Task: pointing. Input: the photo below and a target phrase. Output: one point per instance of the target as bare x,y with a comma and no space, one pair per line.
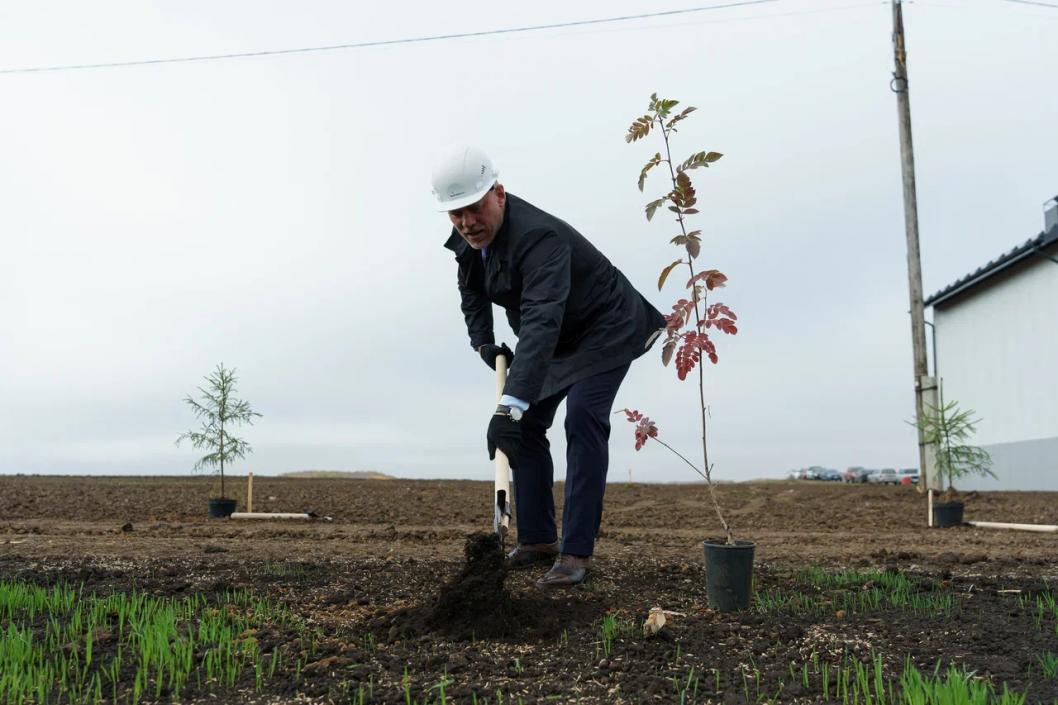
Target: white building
997,353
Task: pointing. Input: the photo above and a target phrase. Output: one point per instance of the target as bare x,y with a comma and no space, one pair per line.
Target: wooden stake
249,492
929,521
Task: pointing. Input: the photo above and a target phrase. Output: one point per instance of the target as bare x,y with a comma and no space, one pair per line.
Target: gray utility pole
914,262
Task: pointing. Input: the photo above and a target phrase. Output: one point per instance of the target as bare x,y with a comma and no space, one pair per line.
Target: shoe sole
540,584
543,559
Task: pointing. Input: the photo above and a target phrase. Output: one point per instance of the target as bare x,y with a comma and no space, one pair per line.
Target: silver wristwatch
513,412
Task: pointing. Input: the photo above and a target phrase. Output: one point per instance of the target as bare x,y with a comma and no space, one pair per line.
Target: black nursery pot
728,574
221,508
947,514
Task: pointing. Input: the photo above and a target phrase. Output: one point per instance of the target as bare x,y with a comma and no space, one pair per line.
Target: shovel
502,520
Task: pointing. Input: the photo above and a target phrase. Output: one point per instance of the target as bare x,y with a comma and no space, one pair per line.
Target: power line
951,5
755,18
1037,3
384,42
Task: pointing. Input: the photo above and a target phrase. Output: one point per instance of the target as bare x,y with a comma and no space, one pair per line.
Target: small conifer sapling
219,412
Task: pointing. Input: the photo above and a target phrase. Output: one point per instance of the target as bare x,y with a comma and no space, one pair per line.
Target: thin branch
680,456
701,371
707,476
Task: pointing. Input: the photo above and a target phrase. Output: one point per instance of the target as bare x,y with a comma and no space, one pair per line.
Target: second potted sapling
948,429
687,340
219,412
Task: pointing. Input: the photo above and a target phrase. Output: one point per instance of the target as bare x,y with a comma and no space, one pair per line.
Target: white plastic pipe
271,515
1040,528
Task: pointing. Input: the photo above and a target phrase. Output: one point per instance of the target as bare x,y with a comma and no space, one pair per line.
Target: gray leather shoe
525,556
567,571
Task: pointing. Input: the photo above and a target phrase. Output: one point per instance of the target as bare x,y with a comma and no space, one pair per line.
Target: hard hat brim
466,200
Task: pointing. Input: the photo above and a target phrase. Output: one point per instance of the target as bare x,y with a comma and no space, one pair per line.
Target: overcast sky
275,214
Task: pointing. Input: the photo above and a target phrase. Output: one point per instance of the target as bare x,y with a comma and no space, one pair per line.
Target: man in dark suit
579,324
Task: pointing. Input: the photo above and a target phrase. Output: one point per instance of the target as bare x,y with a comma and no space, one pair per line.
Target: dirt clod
476,602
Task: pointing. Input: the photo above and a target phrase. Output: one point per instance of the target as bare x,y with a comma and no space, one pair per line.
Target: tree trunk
222,460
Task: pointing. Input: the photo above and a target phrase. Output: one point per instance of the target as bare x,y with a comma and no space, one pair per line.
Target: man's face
479,222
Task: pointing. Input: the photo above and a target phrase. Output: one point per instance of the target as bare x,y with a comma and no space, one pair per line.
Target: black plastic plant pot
947,514
221,508
728,574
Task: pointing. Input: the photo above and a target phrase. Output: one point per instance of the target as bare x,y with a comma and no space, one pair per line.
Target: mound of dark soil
475,603
478,594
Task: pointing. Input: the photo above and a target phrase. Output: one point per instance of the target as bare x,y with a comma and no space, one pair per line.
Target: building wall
997,353
1025,465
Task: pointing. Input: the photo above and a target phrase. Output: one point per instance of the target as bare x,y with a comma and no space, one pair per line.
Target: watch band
512,412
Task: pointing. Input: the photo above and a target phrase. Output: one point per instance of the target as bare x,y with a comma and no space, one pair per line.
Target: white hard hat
463,176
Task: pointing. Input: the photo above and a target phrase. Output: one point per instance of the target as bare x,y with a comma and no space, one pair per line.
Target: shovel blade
502,519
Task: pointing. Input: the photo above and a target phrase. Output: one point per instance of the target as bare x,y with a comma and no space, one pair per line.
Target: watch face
516,413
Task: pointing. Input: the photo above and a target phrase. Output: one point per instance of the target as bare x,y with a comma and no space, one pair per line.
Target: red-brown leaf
667,351
713,278
645,428
665,273
653,206
681,313
693,245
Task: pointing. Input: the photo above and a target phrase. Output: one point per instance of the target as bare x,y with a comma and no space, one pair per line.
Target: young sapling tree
687,328
218,411
949,429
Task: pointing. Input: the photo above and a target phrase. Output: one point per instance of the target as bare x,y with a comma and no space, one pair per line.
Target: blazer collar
456,243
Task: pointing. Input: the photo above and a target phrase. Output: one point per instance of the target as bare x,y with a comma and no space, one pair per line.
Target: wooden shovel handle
503,482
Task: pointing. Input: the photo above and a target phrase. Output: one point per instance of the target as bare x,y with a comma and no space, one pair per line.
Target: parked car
908,476
829,475
885,476
855,475
817,472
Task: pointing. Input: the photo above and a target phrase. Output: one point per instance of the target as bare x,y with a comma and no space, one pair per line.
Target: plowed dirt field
848,580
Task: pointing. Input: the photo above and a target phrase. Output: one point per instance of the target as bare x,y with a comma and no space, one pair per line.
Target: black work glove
489,352
506,434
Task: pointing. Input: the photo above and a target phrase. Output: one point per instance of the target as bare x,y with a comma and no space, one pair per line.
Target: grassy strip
849,682
853,591
1048,664
853,683
1043,605
611,628
61,644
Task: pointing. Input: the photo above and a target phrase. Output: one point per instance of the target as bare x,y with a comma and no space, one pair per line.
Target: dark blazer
574,313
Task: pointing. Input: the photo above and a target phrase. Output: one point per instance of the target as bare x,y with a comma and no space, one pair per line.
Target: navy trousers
589,404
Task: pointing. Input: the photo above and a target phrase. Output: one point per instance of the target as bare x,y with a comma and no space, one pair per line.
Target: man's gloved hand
489,352
506,434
